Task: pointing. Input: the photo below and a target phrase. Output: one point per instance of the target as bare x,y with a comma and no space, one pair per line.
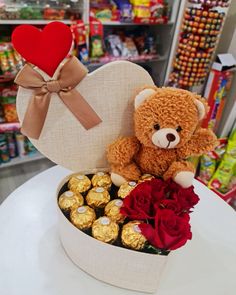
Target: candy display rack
198,31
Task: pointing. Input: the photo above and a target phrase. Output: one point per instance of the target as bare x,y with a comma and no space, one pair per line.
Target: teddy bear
166,132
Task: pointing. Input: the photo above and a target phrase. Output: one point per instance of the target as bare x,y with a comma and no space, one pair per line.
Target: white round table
32,260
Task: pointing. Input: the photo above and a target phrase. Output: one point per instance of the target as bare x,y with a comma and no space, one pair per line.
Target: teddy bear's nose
170,137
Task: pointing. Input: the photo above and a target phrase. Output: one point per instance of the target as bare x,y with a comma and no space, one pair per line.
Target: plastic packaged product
114,45
9,107
4,152
20,141
125,9
53,13
129,48
222,178
11,144
207,168
96,37
29,12
79,34
9,11
4,64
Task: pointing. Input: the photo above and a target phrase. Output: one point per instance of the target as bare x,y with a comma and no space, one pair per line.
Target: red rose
171,231
173,205
171,187
158,187
139,203
186,197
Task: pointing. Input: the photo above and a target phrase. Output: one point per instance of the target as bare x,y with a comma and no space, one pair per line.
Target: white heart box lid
110,91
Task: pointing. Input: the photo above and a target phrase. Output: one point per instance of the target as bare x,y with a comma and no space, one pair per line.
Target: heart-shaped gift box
109,91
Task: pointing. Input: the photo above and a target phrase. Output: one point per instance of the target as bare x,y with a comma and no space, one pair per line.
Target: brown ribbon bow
69,77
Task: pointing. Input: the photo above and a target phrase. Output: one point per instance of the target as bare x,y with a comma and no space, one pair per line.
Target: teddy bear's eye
157,126
178,129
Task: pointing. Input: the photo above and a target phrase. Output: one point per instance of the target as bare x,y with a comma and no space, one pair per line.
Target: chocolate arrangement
92,203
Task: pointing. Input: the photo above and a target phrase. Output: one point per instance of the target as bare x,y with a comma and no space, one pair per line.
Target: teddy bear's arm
122,151
203,141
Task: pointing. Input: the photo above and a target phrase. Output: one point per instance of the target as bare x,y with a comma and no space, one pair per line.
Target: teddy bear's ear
142,96
201,109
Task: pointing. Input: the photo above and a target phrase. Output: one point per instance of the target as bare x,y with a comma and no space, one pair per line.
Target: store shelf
117,23
137,61
22,160
9,126
6,78
31,22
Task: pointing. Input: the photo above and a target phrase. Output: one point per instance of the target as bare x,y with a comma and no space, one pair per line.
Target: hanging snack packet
96,37
79,35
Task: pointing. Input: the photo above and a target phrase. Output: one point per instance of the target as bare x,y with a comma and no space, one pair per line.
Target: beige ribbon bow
69,77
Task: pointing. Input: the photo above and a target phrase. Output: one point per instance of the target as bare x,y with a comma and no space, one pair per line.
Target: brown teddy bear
167,131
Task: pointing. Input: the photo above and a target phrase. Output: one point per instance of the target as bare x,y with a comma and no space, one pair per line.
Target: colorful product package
4,64
216,93
227,168
141,11
130,49
79,33
114,45
125,9
4,152
9,108
20,141
10,61
207,168
11,144
96,37
209,162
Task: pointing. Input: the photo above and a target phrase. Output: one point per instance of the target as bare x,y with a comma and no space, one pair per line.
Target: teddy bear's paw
184,178
117,179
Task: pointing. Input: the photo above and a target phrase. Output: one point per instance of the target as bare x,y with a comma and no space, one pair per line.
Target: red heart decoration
43,48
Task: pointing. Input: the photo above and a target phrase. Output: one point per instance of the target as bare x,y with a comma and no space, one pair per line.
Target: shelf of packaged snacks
21,160
138,61
31,22
9,126
117,23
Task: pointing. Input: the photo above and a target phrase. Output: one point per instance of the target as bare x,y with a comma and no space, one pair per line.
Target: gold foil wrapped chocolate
69,199
102,179
126,188
112,210
145,177
131,236
98,197
105,230
82,217
79,183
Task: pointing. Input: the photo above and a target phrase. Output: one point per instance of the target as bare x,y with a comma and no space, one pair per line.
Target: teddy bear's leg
182,172
121,174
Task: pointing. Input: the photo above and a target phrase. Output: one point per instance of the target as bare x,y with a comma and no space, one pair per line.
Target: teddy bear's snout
166,138
170,137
